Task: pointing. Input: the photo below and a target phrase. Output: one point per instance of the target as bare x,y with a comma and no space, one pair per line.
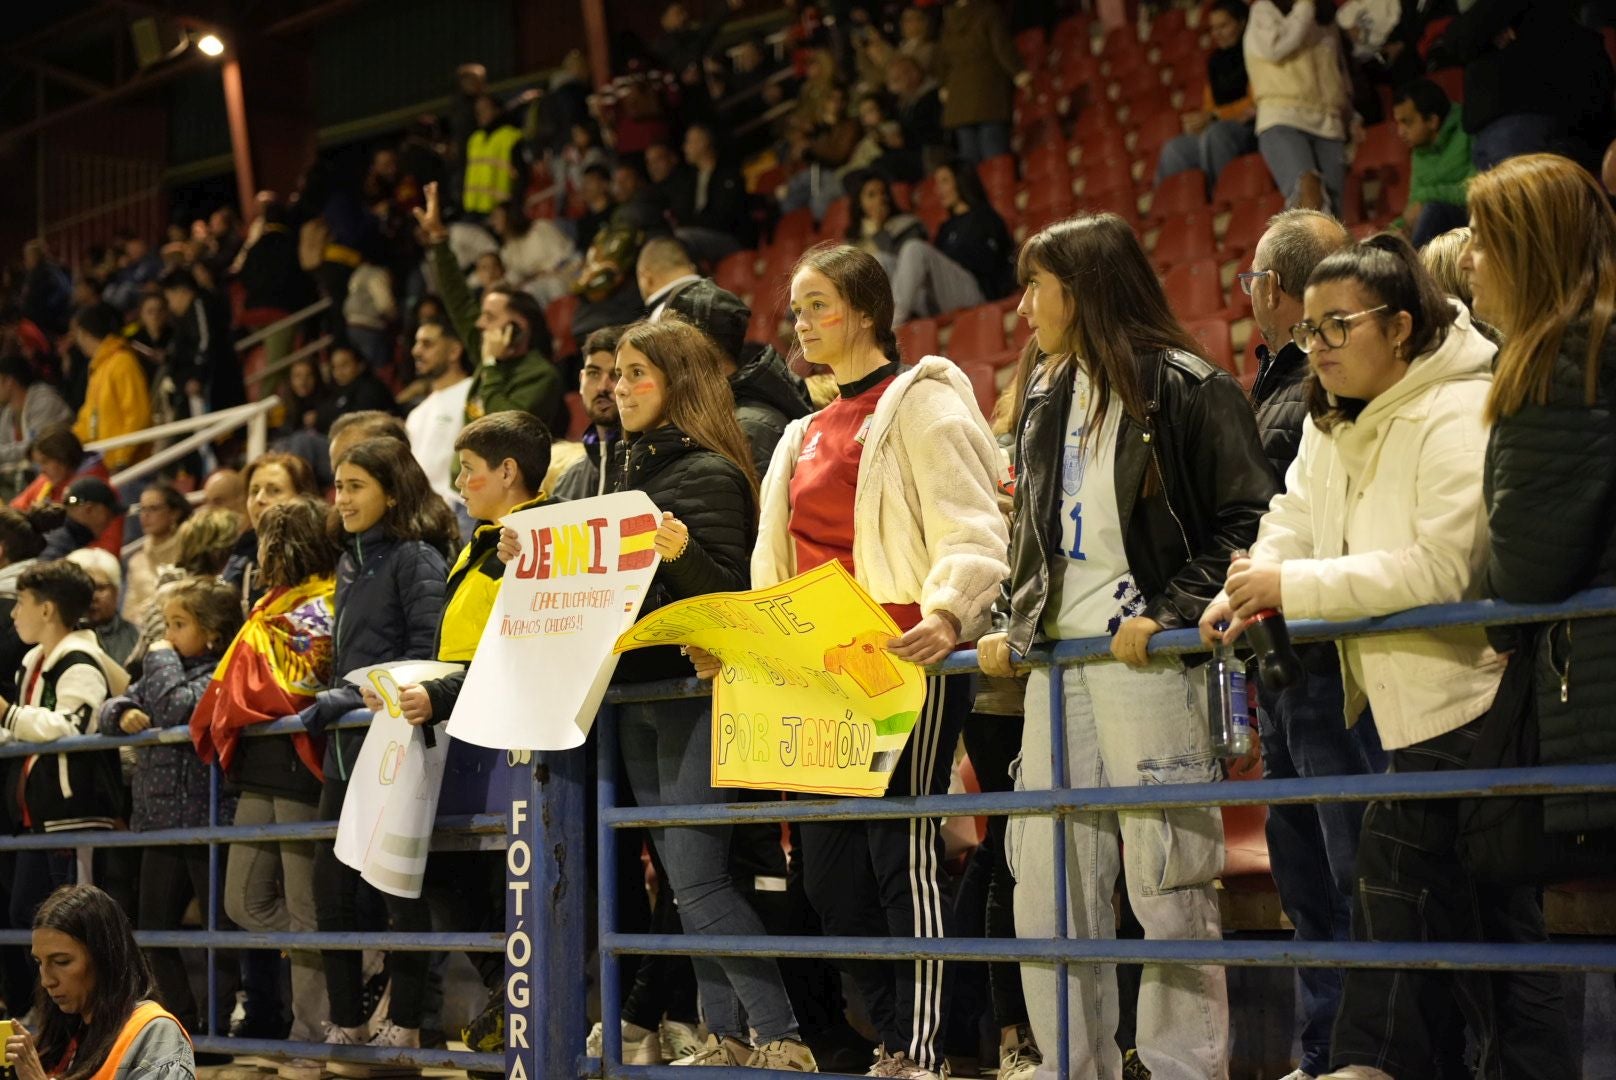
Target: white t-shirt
1092,590
433,426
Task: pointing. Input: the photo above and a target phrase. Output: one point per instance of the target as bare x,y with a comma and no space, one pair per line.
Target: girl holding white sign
396,536
683,447
897,479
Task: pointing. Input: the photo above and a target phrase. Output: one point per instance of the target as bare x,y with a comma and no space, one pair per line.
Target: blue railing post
546,869
210,917
611,1003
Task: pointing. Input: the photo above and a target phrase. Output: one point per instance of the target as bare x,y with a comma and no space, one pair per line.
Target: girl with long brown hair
1139,472
682,446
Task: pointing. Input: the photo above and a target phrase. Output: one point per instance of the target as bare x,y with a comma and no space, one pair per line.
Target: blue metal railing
1061,801
532,806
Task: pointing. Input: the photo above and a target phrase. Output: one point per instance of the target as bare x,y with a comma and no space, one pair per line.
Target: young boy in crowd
1439,166
503,460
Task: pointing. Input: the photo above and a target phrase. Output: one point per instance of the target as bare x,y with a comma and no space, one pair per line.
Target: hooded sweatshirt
929,528
1385,513
767,398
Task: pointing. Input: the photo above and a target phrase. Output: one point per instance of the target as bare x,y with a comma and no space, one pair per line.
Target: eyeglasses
1248,280
1332,330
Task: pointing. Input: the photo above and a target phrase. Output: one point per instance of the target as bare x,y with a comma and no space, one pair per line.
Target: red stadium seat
1381,148
1451,80
1185,238
984,380
1180,193
764,327
1136,83
917,338
1156,131
794,231
978,333
737,273
559,316
903,196
837,216
1195,290
1047,162
1107,174
998,170
1248,220
1246,177
1168,24
1121,202
1216,343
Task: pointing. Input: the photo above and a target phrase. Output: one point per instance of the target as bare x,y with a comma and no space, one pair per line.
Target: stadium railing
533,806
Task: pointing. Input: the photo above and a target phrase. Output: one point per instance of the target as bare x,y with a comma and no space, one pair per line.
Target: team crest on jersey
864,430
810,449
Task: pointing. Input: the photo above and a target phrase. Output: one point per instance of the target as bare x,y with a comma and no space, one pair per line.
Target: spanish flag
274,667
635,537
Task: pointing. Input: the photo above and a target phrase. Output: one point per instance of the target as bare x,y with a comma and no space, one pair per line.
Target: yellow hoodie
116,402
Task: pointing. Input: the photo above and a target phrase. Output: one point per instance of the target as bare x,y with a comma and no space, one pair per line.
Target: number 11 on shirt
1076,515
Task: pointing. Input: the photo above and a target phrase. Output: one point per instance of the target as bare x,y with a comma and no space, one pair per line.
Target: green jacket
1440,171
529,383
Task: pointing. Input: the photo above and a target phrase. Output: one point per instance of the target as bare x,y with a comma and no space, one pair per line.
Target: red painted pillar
235,105
600,57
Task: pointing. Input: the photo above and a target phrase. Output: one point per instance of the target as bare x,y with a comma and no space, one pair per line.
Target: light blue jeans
1292,152
1124,728
667,749
979,142
1210,151
925,282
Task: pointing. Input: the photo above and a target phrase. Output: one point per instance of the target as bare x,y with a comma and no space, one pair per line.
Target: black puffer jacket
1209,487
389,601
767,398
1281,400
1551,503
712,497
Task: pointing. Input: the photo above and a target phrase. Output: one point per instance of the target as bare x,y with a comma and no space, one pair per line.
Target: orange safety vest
144,1013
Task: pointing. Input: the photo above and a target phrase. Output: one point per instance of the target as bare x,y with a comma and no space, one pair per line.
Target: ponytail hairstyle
1548,234
864,286
698,401
417,512
1390,272
122,979
1117,308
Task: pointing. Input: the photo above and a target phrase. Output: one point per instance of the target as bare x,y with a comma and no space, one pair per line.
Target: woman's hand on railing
1218,622
930,640
1131,644
994,657
1253,585
707,665
510,545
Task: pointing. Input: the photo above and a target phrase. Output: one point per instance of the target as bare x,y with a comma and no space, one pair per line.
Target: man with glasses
1311,848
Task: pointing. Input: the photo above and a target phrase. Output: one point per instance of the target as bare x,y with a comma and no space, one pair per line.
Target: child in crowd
897,479
64,679
396,535
278,661
1439,162
171,786
1139,472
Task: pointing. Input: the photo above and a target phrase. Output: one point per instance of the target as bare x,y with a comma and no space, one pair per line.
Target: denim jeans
667,750
1210,151
1435,219
925,282
815,187
1530,133
1412,886
1312,849
1291,153
978,142
1125,727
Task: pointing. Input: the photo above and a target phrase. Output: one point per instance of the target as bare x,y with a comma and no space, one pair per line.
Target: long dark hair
698,400
855,215
1118,308
122,979
1390,271
295,544
417,512
968,183
863,283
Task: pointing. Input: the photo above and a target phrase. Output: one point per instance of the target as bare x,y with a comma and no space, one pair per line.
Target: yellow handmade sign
809,699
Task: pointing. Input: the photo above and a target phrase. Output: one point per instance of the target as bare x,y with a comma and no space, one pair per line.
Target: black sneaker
260,1027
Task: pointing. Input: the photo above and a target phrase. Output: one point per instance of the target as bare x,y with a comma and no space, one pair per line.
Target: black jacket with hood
1192,484
767,398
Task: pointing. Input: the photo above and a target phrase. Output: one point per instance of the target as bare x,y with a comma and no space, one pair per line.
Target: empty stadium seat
1155,131
794,231
984,380
1195,290
1107,174
1381,148
1185,238
737,273
837,216
1248,220
917,338
577,416
1122,202
978,333
1216,343
558,316
1180,193
1246,177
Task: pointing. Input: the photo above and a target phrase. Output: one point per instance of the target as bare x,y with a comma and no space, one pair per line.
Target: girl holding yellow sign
896,479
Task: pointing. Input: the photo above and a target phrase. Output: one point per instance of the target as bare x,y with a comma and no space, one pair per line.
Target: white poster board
545,657
385,830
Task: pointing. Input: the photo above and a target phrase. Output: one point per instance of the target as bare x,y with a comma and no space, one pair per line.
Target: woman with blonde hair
1441,256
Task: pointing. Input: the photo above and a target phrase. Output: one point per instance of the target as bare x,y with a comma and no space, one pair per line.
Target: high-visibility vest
488,168
144,1013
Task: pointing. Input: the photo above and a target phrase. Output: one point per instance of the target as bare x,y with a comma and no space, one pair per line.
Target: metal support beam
139,84
57,74
600,57
235,107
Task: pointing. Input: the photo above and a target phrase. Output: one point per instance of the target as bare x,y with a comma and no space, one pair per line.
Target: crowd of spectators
484,278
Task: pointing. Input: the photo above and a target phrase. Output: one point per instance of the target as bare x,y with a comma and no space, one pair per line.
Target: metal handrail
265,333
203,430
323,342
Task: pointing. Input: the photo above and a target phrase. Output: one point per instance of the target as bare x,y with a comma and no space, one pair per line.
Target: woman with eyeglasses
1383,511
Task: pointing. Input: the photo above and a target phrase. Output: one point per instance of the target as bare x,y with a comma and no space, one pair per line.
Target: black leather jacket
1211,486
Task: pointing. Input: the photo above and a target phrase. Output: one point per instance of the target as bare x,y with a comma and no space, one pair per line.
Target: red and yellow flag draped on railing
273,669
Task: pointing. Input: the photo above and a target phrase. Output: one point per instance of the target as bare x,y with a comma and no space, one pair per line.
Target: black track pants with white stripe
880,879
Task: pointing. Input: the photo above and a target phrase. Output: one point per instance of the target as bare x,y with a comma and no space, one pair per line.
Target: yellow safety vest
488,168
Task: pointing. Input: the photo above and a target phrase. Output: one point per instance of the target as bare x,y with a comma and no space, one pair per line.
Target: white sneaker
901,1067
1358,1072
640,1046
389,1034
1297,1075
345,1036
679,1040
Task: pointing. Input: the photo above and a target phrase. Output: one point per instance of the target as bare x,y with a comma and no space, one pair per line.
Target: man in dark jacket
92,505
202,357
587,477
767,395
709,213
1309,847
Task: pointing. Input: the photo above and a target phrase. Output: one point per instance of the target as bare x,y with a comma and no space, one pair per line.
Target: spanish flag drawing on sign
636,536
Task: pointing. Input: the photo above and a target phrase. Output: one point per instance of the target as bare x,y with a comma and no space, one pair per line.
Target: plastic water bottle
1228,710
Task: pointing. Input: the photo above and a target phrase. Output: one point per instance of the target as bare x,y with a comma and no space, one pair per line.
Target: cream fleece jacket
929,530
1386,513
